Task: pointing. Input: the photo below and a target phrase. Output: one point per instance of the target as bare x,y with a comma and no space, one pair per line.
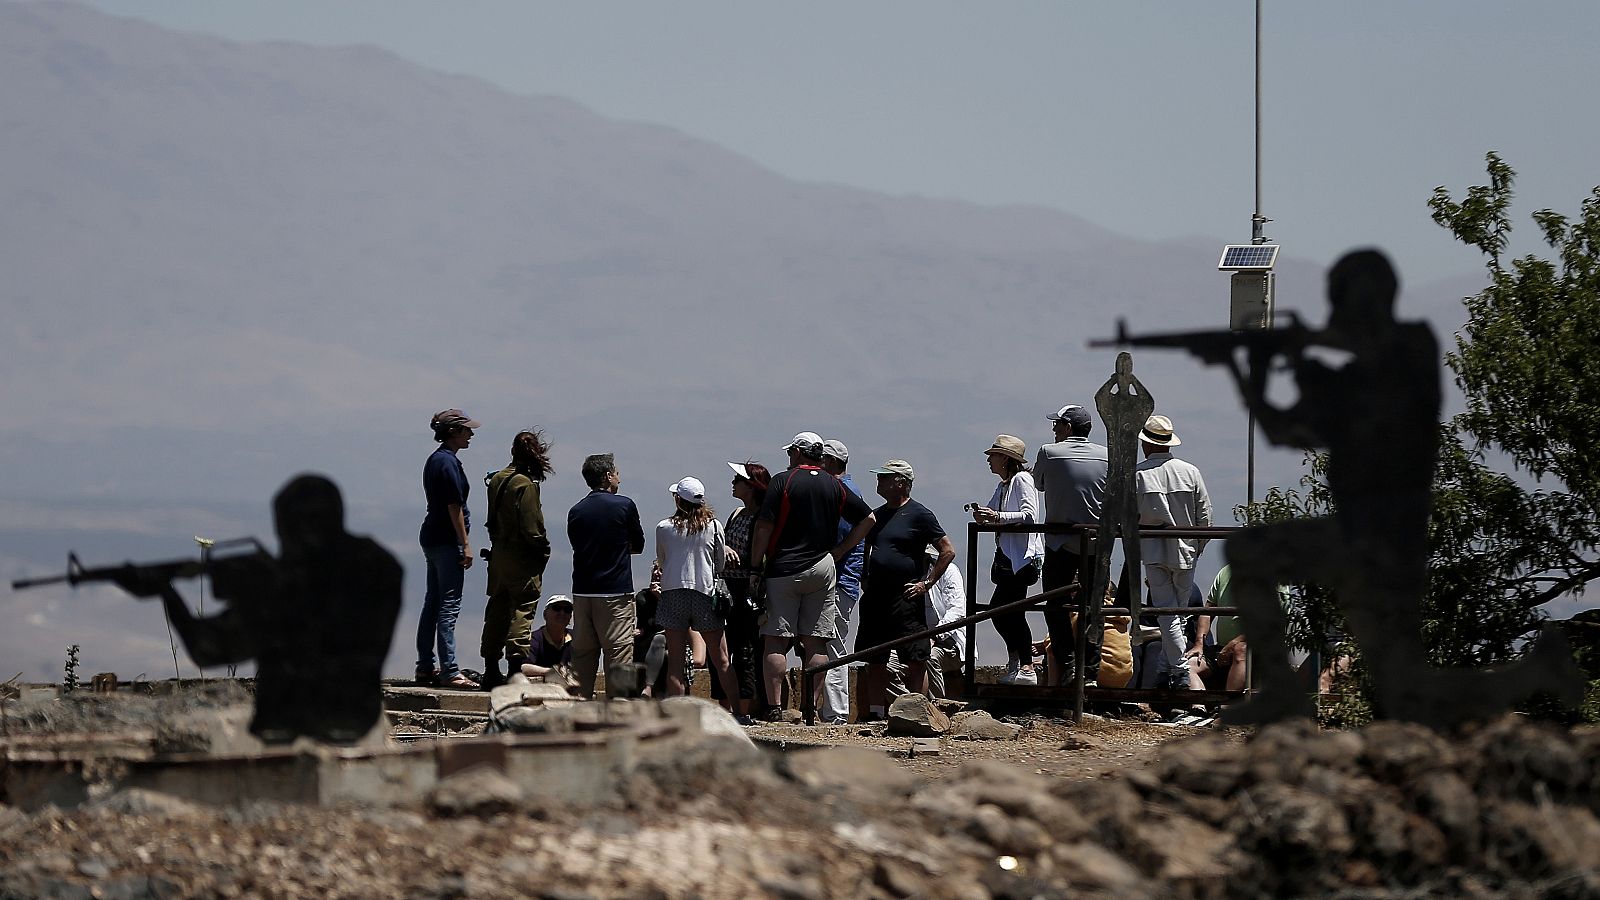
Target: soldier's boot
492,676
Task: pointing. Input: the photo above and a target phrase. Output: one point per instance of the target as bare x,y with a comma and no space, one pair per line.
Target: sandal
427,679
461,683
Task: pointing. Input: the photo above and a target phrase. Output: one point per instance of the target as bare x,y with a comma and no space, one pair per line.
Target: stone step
417,699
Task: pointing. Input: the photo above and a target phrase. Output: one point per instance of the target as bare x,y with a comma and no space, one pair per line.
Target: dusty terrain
1099,747
1125,809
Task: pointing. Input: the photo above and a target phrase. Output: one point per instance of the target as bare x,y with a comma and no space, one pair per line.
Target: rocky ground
1104,809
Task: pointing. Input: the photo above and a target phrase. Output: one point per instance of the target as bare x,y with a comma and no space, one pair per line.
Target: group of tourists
786,572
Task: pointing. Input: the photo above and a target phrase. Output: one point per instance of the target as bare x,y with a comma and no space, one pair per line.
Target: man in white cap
1171,494
1071,476
835,708
796,544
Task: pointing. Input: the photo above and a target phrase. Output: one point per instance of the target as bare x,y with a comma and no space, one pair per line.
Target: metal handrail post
1081,638
970,669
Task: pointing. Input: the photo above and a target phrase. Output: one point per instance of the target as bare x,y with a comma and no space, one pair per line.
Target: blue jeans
440,607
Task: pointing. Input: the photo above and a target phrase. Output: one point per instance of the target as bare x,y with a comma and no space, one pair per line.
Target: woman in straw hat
1017,556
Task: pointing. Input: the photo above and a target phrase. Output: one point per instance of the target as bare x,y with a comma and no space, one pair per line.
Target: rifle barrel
22,584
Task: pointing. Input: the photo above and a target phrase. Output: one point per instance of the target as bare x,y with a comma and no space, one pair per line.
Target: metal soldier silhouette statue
1375,410
318,619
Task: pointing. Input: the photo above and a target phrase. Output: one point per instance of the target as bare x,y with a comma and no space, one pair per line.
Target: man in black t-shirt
796,543
895,594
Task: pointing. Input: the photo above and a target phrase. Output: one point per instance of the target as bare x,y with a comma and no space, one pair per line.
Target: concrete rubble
978,725
1387,811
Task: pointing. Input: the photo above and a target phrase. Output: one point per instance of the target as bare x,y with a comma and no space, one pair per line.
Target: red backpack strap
783,516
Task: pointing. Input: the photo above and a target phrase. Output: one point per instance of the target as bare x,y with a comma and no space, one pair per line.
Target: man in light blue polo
836,691
1071,475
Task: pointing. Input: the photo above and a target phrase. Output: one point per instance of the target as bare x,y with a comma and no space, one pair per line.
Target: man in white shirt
1171,494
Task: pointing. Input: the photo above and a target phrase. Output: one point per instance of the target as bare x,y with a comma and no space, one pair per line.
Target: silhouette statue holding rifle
317,619
1376,413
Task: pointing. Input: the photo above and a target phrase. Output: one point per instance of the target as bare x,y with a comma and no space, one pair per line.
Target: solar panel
1248,257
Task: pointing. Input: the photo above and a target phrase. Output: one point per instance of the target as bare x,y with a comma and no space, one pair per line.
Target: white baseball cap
836,449
805,442
690,490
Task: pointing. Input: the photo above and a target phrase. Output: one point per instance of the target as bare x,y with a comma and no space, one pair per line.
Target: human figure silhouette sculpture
1124,406
317,619
1377,416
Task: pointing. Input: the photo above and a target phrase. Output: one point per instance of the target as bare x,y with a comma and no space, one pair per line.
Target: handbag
721,598
1001,572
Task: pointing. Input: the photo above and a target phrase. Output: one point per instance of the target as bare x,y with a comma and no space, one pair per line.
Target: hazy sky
1135,115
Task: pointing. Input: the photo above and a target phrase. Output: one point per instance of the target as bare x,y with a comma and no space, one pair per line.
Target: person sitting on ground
649,641
1223,655
1115,654
551,643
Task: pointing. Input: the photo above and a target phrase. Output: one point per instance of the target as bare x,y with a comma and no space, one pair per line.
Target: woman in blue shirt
444,544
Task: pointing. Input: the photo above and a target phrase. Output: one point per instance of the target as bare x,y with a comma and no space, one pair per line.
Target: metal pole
971,666
1256,220
1250,464
1257,237
1086,620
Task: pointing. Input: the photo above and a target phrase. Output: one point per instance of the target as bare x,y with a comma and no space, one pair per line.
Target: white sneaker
1025,676
1010,677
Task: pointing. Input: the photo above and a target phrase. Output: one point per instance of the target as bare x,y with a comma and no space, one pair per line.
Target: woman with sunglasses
750,480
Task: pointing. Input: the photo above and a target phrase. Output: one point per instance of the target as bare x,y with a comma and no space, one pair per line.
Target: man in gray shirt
1071,475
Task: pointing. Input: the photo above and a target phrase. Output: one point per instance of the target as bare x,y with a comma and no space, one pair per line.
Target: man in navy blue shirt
444,543
605,533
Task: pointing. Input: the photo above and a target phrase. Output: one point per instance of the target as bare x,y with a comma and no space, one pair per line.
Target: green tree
1526,362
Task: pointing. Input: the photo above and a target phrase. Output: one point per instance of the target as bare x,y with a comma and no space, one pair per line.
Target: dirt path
1096,748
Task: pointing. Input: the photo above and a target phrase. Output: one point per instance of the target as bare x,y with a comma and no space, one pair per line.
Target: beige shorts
804,604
